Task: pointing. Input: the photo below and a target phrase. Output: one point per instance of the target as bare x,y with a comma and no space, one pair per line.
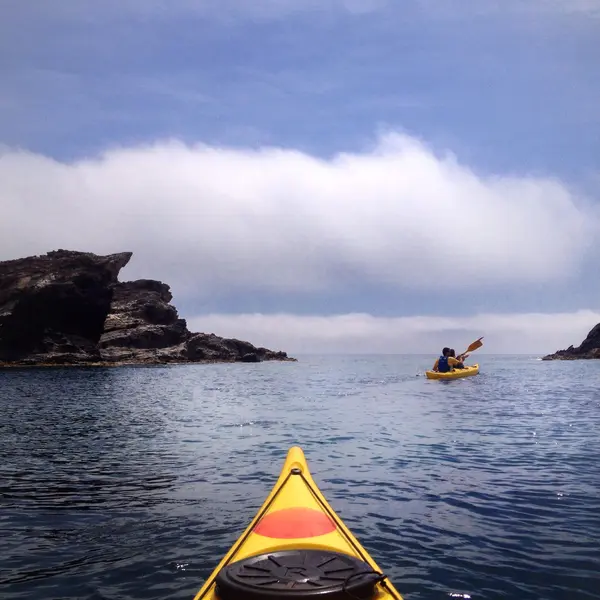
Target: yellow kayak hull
456,374
295,516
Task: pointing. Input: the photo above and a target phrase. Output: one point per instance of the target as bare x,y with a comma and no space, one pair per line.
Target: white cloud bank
209,219
365,334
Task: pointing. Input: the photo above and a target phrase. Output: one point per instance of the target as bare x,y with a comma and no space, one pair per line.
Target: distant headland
69,308
589,348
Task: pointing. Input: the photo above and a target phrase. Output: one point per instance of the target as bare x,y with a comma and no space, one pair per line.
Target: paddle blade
476,344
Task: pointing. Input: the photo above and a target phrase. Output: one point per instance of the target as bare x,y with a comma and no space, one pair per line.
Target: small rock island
589,348
69,308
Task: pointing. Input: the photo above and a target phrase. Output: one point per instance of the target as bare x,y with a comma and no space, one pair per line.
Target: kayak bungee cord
381,577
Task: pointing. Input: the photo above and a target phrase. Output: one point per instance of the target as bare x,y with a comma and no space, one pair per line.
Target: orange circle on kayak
294,523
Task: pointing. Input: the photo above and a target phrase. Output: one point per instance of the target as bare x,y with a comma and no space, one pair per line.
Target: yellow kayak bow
297,547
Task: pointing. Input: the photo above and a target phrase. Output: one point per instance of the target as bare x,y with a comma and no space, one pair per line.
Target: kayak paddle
476,344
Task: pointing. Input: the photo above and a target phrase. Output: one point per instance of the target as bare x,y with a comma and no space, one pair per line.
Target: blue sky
506,89
454,101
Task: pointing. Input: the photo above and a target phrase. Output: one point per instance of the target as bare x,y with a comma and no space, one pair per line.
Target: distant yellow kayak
456,374
297,547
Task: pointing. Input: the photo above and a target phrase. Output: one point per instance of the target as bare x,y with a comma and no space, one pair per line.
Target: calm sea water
132,483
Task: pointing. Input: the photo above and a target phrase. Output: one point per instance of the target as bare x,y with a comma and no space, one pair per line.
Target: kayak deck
456,374
296,523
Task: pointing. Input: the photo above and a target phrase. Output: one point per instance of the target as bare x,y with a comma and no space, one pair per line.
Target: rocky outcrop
69,308
54,306
589,348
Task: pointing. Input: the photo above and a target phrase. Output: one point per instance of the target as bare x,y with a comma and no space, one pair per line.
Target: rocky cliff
589,348
69,308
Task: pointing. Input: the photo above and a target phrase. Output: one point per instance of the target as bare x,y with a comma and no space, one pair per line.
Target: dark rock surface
69,308
589,348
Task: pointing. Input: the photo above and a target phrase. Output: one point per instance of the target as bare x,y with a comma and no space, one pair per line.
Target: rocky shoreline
67,308
588,349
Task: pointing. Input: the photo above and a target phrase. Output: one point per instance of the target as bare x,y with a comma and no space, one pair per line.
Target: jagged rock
208,346
251,357
588,349
141,318
68,307
55,305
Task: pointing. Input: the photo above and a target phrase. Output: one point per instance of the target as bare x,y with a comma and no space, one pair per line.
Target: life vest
443,366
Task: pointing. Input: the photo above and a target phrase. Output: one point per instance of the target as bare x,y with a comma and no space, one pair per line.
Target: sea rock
68,307
54,306
208,346
142,325
589,348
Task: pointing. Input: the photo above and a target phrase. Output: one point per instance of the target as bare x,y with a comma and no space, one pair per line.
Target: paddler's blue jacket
443,366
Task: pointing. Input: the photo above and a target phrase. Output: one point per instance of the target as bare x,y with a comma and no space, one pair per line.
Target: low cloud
531,333
217,220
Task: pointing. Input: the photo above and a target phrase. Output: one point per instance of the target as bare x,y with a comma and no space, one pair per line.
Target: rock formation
589,348
69,308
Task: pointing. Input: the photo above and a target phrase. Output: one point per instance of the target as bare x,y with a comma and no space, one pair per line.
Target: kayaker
445,362
460,359
463,357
